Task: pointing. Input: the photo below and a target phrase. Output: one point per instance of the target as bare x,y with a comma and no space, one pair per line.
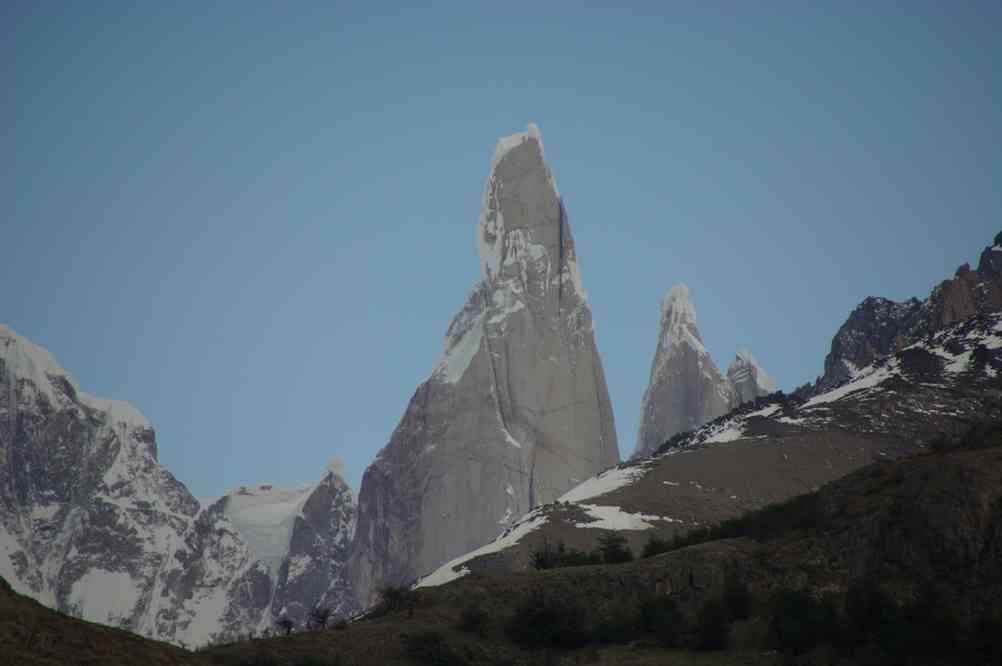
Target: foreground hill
899,562
33,635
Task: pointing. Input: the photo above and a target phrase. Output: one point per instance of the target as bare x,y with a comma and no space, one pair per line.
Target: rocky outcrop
748,378
686,389
93,525
879,326
516,411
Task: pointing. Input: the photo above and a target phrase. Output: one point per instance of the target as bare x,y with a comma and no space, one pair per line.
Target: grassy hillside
33,635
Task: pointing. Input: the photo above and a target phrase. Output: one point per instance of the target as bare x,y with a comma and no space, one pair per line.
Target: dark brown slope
33,635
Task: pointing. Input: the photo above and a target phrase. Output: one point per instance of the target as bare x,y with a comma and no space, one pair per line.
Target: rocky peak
879,326
686,388
748,378
516,410
678,318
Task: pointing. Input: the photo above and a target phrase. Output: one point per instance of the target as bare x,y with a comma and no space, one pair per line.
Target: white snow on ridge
448,571
868,378
26,360
605,482
462,343
118,411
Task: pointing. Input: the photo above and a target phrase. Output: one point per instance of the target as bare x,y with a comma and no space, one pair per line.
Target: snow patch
104,596
614,518
868,378
452,570
461,345
605,482
264,517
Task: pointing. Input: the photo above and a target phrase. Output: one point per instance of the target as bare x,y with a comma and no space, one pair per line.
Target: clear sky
255,220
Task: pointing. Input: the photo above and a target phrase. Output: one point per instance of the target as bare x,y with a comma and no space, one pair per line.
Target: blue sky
255,221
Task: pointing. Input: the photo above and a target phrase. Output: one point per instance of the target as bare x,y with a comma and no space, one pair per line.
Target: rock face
516,411
748,378
686,388
879,326
93,525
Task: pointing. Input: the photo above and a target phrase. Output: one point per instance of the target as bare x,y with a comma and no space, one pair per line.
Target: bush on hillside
430,648
655,546
549,557
547,620
737,599
712,628
473,620
394,598
800,622
661,616
613,549
616,622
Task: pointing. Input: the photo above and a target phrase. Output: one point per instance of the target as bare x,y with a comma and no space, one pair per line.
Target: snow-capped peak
508,143
26,360
678,319
677,308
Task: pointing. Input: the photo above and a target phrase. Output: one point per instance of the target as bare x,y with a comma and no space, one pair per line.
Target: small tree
612,547
395,598
285,624
320,615
655,546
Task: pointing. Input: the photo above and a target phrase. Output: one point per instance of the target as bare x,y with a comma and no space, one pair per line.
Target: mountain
91,524
686,389
748,378
879,326
927,394
516,411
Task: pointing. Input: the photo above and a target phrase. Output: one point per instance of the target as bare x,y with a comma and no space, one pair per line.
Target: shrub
613,549
661,616
544,620
393,598
712,628
473,620
285,624
616,622
431,648
655,546
320,615
986,639
800,622
548,557
311,660
736,599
